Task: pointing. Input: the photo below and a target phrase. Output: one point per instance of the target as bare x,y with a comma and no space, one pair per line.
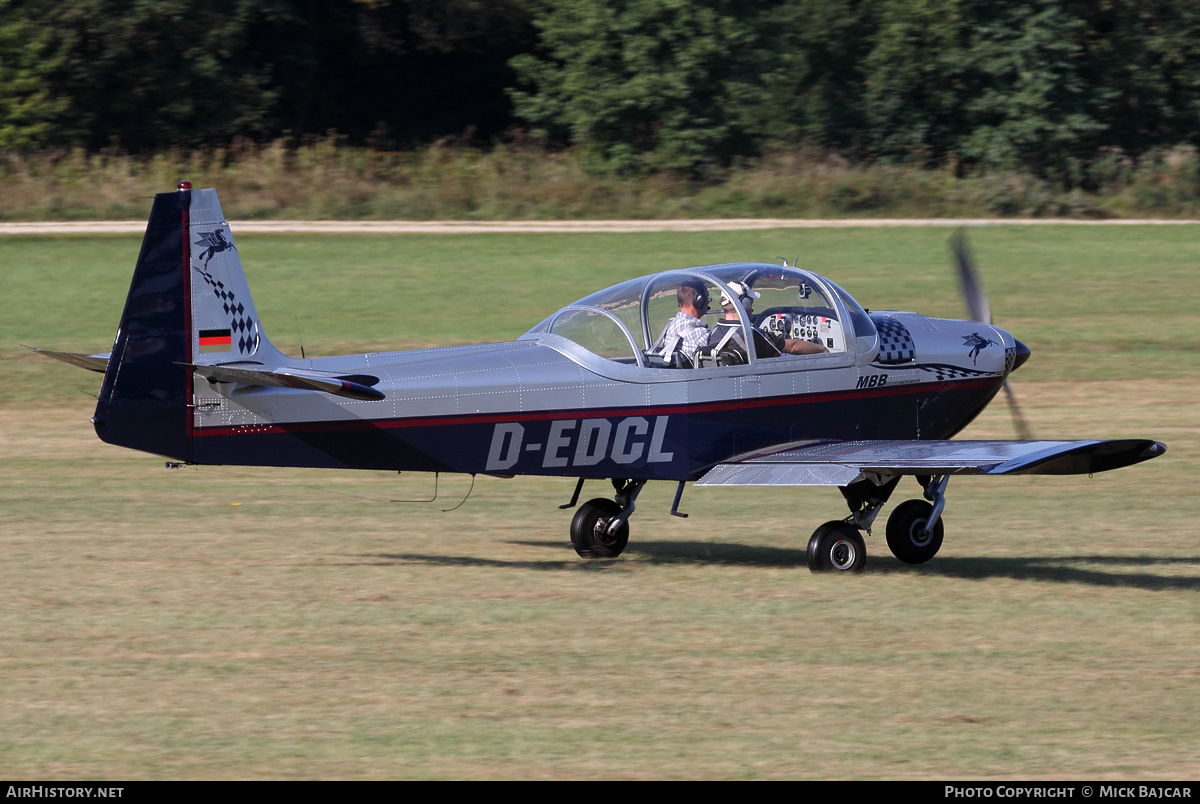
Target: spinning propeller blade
976,300
1023,430
969,283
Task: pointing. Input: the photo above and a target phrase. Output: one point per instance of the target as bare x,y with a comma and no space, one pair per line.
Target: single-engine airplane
593,392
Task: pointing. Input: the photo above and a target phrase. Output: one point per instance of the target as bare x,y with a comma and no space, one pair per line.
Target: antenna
300,337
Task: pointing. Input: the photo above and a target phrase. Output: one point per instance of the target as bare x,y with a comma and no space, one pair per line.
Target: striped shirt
685,332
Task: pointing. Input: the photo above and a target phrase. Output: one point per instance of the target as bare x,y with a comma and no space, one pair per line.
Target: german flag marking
216,340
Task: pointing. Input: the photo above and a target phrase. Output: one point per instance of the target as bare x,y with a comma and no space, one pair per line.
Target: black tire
814,541
837,547
906,536
589,530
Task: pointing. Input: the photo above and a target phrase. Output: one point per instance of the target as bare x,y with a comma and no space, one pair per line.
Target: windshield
863,326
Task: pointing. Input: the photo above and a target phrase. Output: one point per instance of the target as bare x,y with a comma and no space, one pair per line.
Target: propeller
970,285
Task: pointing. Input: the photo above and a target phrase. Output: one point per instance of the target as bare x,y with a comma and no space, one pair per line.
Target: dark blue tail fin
147,387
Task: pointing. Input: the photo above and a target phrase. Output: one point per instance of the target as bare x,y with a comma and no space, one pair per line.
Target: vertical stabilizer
188,304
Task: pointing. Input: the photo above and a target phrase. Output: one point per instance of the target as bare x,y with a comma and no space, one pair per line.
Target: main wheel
589,530
906,536
814,542
836,546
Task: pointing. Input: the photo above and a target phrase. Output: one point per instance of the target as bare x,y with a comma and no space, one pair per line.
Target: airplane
592,392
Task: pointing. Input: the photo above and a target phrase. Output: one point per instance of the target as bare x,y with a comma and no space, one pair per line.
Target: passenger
727,338
685,333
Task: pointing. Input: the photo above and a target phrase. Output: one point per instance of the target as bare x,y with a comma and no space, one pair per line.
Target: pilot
685,333
727,338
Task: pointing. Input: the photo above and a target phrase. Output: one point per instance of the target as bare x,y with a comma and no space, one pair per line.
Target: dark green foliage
1055,90
1145,55
643,84
1038,85
400,71
147,74
812,57
992,83
29,106
163,73
646,84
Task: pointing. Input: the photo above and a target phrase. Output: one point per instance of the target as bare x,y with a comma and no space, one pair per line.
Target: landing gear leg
867,497
915,529
600,528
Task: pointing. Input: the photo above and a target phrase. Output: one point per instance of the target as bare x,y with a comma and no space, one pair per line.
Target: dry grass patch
153,629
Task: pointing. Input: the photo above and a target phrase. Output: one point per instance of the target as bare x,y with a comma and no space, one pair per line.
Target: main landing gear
600,528
914,530
837,546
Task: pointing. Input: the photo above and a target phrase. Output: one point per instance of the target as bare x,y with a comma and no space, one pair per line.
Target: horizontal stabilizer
352,386
97,362
837,463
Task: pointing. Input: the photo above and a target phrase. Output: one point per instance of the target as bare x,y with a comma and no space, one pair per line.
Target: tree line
1042,86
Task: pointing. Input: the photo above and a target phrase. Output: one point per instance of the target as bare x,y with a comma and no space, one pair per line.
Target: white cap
741,290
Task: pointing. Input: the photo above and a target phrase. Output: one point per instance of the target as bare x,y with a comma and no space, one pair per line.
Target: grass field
230,623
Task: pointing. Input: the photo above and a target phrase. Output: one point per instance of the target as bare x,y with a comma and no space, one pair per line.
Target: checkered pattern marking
1010,359
895,343
944,372
240,325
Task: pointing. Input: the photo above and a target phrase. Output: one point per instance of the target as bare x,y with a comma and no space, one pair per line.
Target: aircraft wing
97,362
839,463
353,386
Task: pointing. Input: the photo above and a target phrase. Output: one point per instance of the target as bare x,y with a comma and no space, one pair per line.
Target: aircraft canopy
625,322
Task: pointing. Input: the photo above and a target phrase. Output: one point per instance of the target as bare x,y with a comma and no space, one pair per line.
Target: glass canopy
786,313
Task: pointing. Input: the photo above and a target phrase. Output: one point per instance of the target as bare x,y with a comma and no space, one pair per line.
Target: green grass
1092,302
231,623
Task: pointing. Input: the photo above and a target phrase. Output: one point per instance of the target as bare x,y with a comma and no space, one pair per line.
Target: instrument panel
804,325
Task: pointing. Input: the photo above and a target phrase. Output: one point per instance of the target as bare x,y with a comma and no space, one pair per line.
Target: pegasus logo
215,242
977,343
